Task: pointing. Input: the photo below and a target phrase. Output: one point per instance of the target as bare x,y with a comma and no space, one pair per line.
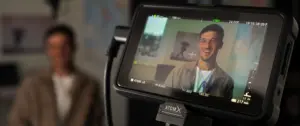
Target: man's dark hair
214,27
64,29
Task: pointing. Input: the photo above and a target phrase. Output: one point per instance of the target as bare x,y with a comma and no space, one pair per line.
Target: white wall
71,13
25,61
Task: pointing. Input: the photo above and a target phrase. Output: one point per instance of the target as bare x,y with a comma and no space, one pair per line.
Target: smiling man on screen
204,75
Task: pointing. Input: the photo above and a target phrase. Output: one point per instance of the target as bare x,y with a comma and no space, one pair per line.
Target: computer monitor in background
225,62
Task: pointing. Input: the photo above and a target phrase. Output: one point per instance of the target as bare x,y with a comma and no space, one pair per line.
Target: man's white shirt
62,88
202,76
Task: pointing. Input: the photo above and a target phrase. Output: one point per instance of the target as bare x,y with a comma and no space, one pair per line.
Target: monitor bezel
265,73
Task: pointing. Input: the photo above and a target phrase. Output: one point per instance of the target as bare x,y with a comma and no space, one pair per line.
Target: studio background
93,21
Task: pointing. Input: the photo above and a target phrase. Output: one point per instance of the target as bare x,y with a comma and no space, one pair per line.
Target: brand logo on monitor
176,109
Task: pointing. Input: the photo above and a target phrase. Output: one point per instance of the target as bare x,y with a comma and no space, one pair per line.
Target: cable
112,53
107,101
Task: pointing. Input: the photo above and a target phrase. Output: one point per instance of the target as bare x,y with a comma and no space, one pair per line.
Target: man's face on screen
209,44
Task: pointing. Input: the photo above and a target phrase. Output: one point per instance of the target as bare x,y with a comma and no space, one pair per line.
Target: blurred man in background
61,95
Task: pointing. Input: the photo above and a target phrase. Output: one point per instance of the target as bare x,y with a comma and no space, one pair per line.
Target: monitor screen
221,59
209,58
